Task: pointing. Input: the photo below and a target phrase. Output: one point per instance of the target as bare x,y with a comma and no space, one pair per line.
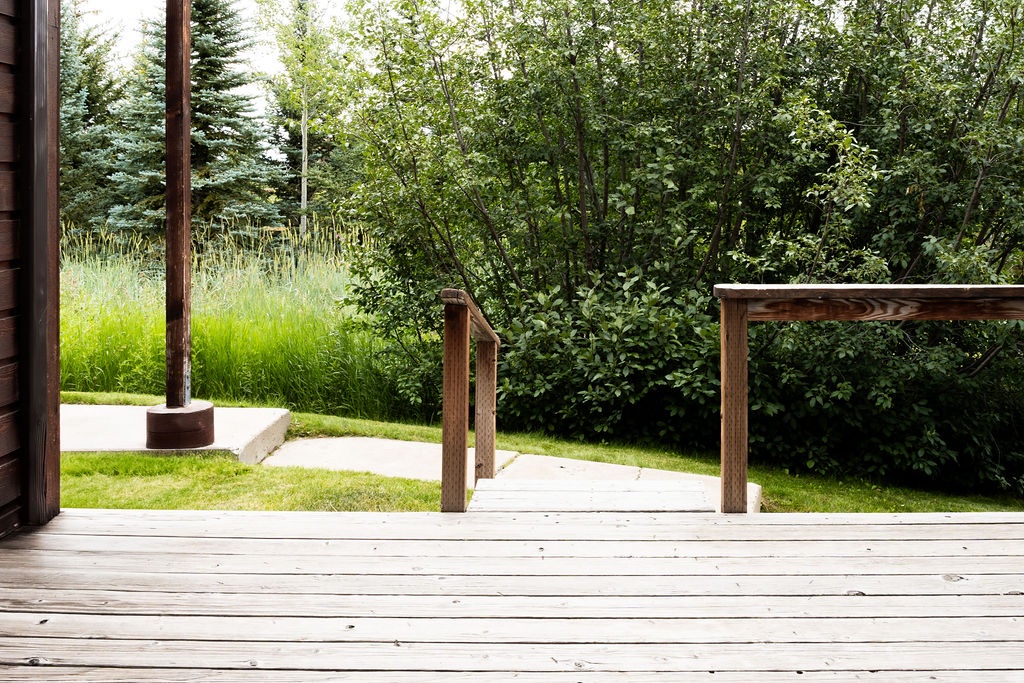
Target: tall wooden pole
179,204
181,422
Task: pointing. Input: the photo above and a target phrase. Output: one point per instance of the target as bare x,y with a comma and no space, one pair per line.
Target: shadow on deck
218,596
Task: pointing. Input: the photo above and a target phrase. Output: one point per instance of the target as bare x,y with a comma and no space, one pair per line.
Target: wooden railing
745,303
462,319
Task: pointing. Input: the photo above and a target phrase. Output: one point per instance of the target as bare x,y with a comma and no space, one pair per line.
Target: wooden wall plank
8,41
8,384
9,8
10,481
8,149
8,289
9,241
10,519
8,338
8,197
8,86
10,436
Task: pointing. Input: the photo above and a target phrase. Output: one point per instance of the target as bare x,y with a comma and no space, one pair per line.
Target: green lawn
123,480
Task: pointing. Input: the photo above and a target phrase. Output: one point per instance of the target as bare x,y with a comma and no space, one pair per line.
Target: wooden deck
224,596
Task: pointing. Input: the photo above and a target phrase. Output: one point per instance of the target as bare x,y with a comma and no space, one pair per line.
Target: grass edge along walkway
209,482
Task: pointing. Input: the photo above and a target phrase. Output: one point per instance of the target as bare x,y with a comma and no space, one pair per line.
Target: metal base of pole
188,427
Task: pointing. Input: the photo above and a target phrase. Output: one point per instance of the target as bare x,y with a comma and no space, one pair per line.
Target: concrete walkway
257,435
248,433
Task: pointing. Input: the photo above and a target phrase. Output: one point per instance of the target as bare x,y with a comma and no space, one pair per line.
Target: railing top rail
479,327
888,291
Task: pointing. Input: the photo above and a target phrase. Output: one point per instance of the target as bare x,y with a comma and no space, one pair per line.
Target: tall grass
267,326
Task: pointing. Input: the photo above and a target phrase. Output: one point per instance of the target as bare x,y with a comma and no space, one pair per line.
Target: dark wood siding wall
12,471
29,231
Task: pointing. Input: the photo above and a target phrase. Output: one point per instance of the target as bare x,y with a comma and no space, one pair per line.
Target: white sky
125,16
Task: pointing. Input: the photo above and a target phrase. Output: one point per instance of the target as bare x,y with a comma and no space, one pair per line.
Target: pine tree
90,87
230,172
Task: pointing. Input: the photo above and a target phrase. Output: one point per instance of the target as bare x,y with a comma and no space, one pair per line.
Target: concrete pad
408,459
249,433
546,467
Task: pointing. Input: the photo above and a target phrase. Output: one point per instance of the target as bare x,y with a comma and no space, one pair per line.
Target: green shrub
624,357
916,403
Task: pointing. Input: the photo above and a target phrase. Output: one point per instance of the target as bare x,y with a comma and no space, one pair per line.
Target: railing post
455,408
734,405
486,407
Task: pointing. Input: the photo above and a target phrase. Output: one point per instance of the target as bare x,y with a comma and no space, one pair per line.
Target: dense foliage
588,170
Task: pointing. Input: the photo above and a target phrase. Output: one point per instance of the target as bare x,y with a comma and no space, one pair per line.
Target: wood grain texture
479,326
207,595
486,408
11,481
455,408
8,97
9,384
179,206
743,303
207,675
9,240
10,433
8,337
885,309
734,406
785,292
8,40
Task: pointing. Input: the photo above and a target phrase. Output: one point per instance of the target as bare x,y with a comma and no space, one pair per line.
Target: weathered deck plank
212,596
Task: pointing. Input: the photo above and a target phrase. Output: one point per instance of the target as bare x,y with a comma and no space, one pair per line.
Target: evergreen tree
90,88
230,172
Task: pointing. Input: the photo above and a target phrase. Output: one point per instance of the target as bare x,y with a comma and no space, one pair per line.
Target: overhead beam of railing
463,320
748,303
